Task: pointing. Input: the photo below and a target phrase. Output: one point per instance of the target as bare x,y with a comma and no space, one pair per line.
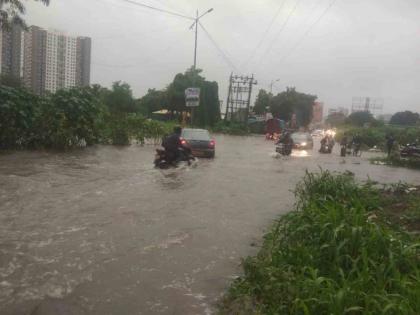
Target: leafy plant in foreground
329,257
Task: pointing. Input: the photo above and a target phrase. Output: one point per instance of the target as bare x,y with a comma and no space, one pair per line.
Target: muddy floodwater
101,231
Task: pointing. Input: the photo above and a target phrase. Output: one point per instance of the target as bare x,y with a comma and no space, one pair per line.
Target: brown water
105,233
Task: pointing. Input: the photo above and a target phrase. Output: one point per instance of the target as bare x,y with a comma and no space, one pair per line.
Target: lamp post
195,24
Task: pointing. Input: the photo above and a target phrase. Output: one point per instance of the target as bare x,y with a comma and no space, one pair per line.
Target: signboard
192,97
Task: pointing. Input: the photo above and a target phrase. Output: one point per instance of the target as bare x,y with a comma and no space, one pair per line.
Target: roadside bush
68,118
18,111
330,256
231,128
376,136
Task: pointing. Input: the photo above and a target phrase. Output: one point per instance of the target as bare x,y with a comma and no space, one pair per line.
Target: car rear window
202,135
299,137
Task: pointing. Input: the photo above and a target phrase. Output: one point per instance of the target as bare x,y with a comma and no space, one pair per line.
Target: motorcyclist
343,144
287,141
173,145
356,144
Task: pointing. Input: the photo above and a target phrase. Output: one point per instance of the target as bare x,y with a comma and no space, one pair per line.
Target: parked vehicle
318,133
161,161
199,141
302,141
410,150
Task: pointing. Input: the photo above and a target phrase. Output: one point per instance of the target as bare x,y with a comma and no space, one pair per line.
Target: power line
159,10
270,25
281,30
308,31
223,54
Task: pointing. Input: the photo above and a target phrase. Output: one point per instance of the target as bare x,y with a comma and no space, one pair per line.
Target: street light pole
195,24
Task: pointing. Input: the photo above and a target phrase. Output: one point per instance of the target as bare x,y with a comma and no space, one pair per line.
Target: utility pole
195,25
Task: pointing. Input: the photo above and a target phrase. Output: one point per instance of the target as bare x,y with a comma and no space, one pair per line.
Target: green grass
331,255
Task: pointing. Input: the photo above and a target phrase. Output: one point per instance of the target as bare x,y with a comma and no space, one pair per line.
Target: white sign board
192,97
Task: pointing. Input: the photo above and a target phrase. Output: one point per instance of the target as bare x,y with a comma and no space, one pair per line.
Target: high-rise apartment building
46,60
11,42
84,48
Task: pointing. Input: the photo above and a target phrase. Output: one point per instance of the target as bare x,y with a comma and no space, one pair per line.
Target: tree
153,101
290,102
336,119
262,102
120,98
406,118
11,12
208,111
361,118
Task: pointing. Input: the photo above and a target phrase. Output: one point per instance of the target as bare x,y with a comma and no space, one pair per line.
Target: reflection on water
301,153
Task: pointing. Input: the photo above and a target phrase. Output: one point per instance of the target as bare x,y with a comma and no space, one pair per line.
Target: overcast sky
339,51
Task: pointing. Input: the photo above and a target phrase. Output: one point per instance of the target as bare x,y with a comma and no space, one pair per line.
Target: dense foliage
406,118
376,136
290,102
361,119
332,255
173,98
73,117
262,102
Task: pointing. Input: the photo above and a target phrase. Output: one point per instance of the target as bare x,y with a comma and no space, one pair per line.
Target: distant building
45,60
11,45
317,112
341,110
83,57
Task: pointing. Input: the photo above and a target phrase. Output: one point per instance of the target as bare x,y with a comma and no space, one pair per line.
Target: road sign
192,97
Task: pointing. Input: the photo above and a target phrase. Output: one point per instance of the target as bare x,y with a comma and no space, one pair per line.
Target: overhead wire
159,10
280,31
300,40
270,25
222,53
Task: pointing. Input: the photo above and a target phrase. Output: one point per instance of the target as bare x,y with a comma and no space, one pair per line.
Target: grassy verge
341,251
398,162
231,128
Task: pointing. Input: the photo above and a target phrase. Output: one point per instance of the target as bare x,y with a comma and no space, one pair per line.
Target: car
302,140
318,133
199,141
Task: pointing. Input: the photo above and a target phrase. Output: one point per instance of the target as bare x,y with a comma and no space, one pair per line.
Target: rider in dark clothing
172,145
389,143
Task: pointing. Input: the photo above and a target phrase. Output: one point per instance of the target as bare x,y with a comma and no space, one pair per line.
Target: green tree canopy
208,112
336,119
290,102
120,98
406,118
262,102
153,101
361,118
12,11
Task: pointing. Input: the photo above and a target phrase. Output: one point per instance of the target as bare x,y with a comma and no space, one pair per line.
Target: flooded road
103,232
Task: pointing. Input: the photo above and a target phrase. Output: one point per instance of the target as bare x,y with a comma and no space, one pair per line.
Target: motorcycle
410,150
161,160
284,149
326,148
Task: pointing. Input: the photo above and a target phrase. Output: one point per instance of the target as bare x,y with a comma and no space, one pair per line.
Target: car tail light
183,141
212,143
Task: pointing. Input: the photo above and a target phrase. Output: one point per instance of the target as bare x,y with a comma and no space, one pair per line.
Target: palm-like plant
11,12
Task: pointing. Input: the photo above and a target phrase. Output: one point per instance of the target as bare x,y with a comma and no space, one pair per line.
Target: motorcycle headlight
303,144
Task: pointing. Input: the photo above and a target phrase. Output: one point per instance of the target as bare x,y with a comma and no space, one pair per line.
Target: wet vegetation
396,161
376,136
345,249
73,117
